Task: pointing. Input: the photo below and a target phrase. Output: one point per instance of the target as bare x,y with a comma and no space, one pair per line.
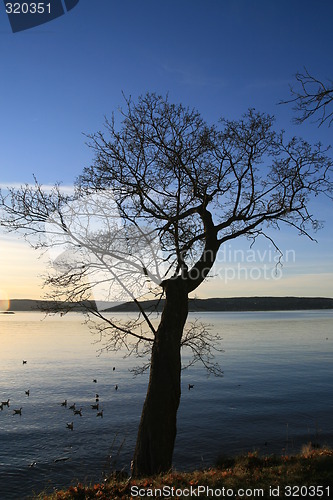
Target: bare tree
312,98
181,189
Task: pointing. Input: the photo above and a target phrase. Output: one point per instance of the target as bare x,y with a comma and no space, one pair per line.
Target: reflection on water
275,395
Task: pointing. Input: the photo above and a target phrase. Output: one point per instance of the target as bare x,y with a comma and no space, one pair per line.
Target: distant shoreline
231,304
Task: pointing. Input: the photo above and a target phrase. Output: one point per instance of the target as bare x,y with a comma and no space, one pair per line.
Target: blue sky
59,80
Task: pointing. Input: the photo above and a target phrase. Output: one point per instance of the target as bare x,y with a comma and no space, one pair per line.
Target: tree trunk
157,429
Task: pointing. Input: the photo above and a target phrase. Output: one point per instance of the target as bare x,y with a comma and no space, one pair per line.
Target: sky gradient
59,80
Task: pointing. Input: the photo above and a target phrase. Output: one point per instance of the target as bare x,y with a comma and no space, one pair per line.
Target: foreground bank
307,475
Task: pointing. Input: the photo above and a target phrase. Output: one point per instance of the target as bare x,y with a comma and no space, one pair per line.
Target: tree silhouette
312,98
164,193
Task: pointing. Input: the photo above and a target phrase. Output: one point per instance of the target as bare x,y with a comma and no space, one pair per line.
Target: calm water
276,394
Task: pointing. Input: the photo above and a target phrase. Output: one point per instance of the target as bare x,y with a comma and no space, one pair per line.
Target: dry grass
248,473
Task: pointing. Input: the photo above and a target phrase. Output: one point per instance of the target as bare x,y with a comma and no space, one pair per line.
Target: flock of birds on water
76,411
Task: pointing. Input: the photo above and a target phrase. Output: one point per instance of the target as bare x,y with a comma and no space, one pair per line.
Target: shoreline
251,476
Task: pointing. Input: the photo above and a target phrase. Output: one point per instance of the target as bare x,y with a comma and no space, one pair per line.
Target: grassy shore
307,475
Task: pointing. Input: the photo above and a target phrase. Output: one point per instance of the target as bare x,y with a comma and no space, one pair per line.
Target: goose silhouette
70,426
5,403
100,414
78,412
27,392
18,412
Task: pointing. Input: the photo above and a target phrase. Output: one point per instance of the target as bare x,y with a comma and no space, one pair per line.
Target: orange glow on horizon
4,301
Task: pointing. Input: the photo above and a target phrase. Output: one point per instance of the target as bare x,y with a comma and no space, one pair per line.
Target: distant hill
43,305
195,305
238,304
